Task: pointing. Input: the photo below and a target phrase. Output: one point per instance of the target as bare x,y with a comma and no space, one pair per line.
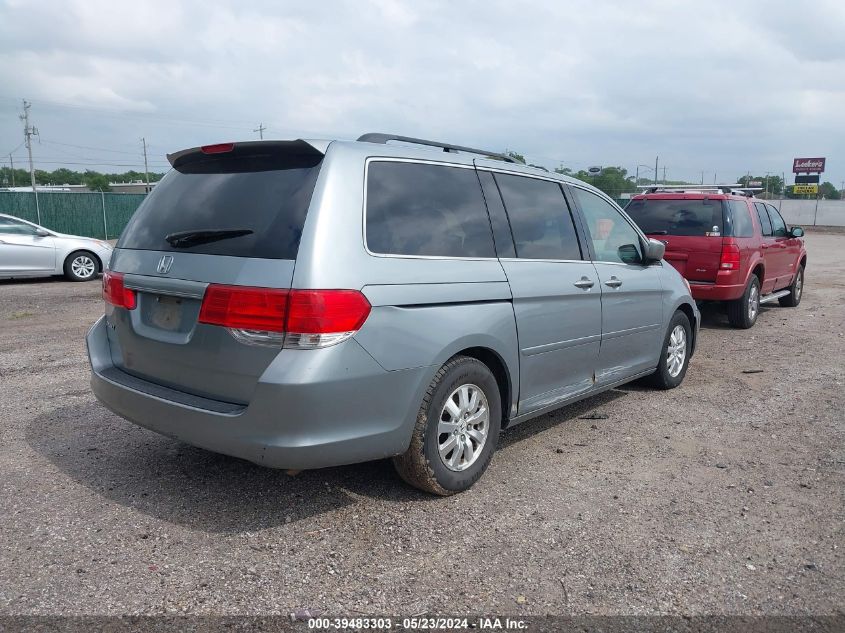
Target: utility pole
664,174
29,131
146,170
260,129
655,169
702,176
12,161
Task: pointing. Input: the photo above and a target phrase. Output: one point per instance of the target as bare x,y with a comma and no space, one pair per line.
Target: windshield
677,217
241,206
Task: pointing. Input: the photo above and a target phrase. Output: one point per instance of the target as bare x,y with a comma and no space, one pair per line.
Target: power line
102,149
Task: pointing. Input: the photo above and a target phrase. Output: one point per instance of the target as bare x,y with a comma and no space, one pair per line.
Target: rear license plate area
166,312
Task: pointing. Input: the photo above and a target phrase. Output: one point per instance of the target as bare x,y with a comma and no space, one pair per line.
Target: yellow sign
805,189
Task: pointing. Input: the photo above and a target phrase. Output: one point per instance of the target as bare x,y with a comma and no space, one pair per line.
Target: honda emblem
164,264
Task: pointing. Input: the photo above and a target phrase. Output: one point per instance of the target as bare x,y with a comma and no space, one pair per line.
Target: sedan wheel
81,266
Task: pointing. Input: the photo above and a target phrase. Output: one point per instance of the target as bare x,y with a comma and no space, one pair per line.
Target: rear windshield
260,199
677,217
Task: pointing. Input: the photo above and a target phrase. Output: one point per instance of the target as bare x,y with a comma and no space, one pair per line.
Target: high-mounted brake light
220,148
303,319
729,259
115,293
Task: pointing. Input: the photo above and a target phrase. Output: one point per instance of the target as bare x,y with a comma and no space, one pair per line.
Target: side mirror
797,231
654,250
629,254
42,233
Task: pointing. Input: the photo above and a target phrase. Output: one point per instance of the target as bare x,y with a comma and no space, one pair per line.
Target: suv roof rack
735,189
377,137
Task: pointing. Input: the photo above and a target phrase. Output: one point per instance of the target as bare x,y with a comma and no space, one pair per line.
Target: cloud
723,87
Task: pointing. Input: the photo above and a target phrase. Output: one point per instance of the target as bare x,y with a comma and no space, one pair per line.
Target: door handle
764,246
584,283
613,282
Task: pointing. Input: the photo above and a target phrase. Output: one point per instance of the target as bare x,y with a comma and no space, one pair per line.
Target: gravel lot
723,496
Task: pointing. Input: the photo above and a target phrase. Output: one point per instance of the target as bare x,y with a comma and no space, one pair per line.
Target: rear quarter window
426,210
677,217
739,220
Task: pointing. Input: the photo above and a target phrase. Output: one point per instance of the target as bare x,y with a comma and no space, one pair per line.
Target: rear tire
81,266
796,290
675,353
743,312
456,430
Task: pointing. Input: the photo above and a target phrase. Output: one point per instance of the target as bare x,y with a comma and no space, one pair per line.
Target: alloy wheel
676,352
463,427
83,266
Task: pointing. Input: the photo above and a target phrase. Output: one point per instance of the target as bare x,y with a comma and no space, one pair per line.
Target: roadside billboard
807,165
802,189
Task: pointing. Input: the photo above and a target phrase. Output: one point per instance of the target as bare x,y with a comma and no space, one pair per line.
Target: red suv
729,246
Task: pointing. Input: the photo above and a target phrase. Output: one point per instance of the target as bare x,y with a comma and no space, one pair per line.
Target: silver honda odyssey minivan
303,304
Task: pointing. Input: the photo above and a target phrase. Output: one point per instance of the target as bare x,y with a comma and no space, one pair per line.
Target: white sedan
29,250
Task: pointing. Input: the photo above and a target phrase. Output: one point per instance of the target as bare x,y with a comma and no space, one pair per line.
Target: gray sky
721,87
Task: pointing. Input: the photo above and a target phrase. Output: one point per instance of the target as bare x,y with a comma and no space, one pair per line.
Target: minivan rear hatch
229,215
691,228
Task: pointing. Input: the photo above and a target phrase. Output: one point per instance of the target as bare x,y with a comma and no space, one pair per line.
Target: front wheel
675,353
456,430
795,290
81,266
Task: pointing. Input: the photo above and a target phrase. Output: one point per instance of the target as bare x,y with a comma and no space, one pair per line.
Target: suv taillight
115,293
730,257
303,319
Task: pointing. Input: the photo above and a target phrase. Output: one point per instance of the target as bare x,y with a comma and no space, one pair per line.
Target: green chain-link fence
103,216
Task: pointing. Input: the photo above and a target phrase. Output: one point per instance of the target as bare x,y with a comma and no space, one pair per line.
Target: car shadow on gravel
714,315
206,491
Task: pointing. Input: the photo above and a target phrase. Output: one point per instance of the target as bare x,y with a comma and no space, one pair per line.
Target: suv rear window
677,217
262,194
426,210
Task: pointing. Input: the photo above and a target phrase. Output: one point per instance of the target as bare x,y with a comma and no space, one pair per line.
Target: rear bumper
310,409
716,292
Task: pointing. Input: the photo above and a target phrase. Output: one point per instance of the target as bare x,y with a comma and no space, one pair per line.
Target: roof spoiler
244,148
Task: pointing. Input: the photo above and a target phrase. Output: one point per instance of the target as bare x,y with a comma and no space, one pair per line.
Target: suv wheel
743,312
675,353
456,431
795,290
81,266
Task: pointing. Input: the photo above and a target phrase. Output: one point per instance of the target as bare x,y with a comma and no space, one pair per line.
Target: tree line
615,181
94,180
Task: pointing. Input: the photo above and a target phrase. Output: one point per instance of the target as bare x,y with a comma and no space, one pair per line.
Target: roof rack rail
377,137
734,188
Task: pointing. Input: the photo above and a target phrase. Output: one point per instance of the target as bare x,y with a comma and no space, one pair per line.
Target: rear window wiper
185,239
658,232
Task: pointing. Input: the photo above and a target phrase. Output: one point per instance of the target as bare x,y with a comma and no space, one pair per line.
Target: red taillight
115,293
326,311
220,148
730,257
243,308
291,311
